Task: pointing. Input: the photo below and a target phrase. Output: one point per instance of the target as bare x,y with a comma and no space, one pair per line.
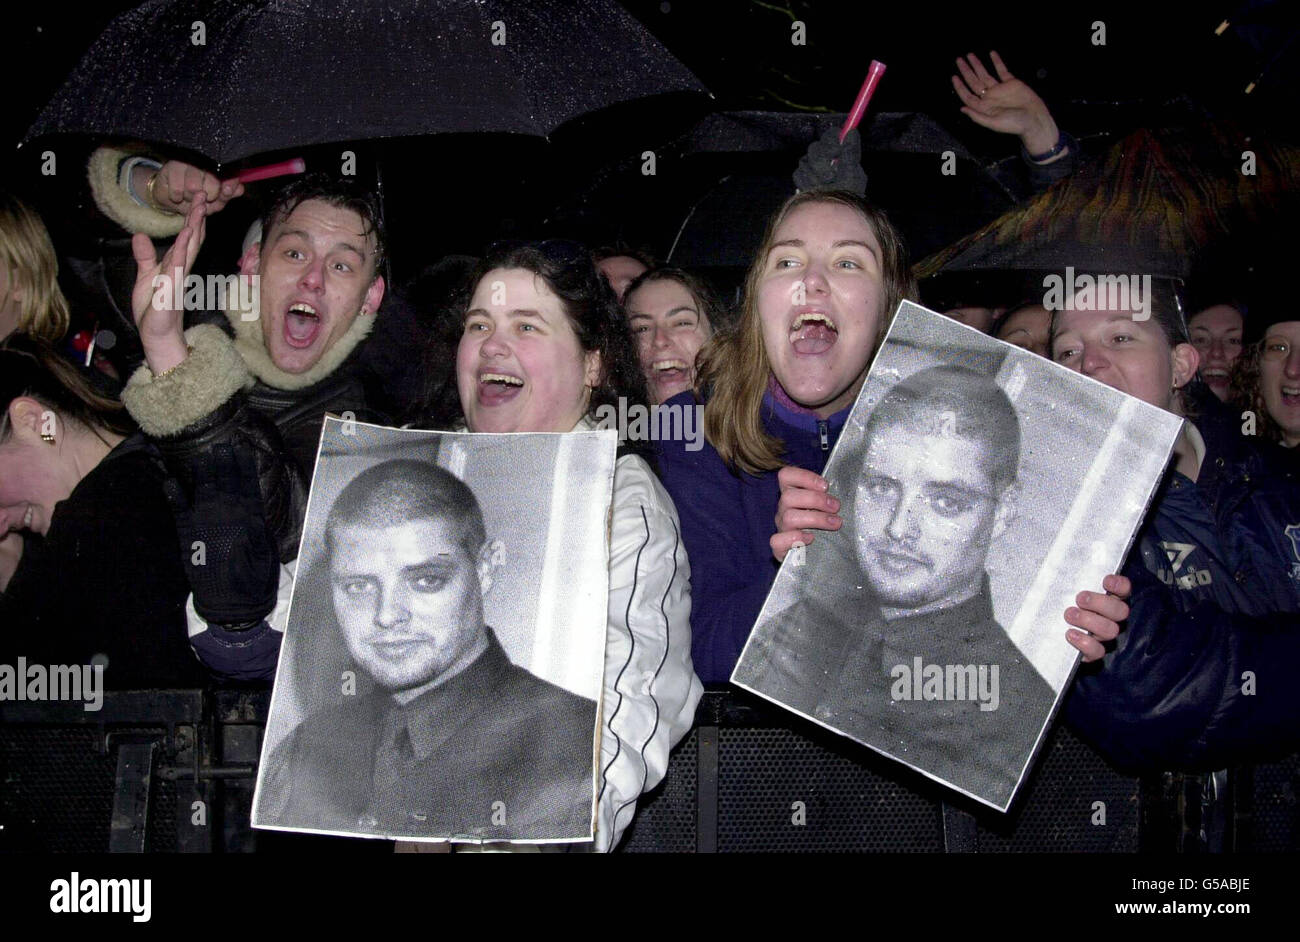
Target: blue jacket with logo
727,518
1200,677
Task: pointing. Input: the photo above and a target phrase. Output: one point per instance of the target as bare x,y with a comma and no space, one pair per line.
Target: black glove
832,165
235,572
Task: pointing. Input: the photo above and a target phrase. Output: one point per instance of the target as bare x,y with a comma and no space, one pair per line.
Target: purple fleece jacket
727,518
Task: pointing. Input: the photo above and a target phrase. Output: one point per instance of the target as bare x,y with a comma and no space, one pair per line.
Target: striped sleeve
651,690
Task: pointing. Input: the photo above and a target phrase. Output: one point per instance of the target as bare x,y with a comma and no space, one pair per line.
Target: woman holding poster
543,347
819,295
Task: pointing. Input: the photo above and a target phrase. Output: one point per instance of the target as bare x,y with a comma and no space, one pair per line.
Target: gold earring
47,437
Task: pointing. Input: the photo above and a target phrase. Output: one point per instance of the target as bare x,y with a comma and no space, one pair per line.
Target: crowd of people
106,486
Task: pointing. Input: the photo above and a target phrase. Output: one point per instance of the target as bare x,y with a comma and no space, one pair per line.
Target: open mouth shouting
1291,396
495,388
302,325
670,371
1215,378
813,332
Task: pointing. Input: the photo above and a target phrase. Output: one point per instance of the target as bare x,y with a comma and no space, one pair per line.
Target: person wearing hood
237,412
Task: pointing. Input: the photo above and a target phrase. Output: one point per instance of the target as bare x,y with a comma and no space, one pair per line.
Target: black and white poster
443,659
982,487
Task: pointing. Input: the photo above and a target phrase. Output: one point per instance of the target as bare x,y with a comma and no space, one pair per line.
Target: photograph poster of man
444,651
981,485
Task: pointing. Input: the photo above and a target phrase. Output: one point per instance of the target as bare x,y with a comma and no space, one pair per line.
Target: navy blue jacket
1200,677
728,518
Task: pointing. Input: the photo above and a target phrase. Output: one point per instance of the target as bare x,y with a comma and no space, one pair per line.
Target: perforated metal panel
781,791
57,793
1073,802
665,819
789,786
1277,807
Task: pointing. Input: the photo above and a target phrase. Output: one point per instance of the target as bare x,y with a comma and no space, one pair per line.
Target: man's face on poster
926,510
408,599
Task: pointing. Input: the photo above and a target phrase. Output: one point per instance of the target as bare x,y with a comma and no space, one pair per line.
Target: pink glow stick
283,168
864,97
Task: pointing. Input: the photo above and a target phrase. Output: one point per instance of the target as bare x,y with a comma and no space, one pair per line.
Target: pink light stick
267,172
864,97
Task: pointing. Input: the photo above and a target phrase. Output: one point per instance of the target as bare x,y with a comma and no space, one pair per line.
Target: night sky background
458,193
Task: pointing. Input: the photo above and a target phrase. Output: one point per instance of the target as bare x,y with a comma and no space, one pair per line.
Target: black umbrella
277,74
716,185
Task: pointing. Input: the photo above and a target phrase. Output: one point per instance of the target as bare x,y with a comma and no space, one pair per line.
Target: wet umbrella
716,185
1155,201
229,79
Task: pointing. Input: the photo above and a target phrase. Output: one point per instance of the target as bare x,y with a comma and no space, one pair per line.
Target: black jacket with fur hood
229,395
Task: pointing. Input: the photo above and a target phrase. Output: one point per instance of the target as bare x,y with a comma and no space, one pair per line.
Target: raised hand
158,285
1004,104
176,184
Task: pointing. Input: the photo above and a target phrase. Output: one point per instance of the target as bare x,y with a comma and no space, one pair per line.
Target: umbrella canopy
275,74
717,184
1157,199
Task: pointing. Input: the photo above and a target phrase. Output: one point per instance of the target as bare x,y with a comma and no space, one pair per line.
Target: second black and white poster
982,487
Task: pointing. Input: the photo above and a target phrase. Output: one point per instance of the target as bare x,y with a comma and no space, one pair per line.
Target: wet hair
28,257
701,292
341,192
397,492
593,312
953,400
734,369
31,367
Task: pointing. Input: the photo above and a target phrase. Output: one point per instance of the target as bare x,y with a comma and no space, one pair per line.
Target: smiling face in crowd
670,327
819,300
1125,353
408,599
1279,378
1216,335
520,366
317,275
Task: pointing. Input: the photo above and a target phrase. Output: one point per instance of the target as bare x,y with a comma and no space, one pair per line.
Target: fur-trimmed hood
252,348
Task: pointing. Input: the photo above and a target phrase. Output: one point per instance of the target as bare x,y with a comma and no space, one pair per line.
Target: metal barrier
173,770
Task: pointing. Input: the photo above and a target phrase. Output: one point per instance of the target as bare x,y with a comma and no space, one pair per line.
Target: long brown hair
734,369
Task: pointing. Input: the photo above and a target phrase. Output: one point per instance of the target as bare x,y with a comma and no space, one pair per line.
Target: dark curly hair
593,312
1244,391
